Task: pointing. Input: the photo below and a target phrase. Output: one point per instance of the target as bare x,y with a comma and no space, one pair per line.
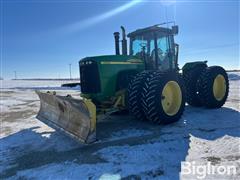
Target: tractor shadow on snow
28,149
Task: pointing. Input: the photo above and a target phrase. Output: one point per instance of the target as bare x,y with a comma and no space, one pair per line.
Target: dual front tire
135,89
157,97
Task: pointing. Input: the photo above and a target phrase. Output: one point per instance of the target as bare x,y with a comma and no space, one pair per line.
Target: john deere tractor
147,82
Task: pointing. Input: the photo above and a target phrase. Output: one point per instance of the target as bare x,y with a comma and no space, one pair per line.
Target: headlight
88,62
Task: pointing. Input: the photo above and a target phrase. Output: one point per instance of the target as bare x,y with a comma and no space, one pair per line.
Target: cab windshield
144,46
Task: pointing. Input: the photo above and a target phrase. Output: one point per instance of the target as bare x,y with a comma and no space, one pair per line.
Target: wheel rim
219,87
171,98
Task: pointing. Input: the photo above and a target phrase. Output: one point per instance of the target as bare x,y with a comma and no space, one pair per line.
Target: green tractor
147,82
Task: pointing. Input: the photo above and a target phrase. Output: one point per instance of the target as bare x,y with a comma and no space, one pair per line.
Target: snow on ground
28,84
234,76
21,92
126,149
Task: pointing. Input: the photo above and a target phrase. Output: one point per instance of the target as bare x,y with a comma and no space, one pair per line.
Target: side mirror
175,30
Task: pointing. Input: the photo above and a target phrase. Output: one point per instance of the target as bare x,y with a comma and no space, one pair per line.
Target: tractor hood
99,75
109,58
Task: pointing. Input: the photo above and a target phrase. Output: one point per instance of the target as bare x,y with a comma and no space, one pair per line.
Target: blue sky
41,38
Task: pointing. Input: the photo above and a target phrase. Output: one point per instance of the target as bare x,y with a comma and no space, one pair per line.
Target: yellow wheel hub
219,87
171,98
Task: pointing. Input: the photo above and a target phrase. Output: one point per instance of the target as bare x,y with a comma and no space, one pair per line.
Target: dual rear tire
213,87
206,86
191,78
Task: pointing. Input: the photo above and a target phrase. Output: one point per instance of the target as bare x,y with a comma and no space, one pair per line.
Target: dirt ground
126,148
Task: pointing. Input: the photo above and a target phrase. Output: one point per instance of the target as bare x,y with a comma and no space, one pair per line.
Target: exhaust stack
116,37
124,41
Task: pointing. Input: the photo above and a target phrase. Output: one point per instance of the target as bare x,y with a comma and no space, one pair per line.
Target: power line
15,75
70,71
209,49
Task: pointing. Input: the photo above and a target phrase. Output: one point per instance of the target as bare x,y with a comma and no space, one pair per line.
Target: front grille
89,76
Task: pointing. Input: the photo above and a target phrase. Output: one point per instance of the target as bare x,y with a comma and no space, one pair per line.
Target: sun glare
99,18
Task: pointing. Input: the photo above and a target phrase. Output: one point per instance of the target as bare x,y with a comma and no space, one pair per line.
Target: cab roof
155,28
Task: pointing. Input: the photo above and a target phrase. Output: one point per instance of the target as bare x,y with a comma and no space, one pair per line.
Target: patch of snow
49,88
20,99
6,104
33,135
122,161
36,133
223,151
3,108
110,177
31,84
147,157
69,170
233,77
233,100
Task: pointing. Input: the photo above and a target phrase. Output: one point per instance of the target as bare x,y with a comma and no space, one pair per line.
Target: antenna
166,15
174,12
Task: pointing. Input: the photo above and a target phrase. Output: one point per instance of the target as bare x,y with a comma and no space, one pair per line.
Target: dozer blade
75,117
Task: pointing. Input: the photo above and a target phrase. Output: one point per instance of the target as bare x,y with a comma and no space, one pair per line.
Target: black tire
208,97
124,77
152,98
191,78
134,95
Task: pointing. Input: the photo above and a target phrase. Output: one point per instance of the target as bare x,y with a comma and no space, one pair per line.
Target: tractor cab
155,45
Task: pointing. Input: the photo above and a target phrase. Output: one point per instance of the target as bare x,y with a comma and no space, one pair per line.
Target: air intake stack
124,41
116,37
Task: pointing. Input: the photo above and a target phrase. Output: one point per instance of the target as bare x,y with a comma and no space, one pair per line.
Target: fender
192,65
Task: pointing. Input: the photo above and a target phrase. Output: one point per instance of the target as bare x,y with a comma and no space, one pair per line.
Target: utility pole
70,71
15,75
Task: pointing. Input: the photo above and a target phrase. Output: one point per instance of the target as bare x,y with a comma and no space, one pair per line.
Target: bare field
126,149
